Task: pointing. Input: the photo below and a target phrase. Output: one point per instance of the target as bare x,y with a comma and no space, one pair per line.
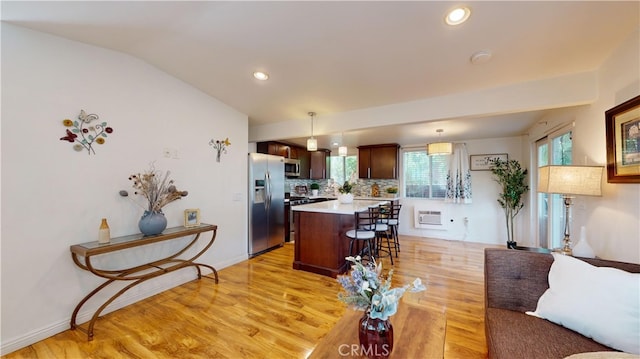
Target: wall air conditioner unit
430,218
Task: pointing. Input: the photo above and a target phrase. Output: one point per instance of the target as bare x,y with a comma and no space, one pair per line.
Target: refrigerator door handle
267,187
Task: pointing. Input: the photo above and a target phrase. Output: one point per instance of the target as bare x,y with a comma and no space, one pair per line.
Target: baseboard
128,298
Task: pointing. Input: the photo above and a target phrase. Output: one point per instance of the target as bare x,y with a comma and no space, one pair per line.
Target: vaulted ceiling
334,57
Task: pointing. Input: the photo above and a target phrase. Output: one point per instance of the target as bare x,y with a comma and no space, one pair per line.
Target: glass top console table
82,254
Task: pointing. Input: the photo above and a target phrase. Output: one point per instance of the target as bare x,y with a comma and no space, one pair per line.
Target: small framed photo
483,162
191,217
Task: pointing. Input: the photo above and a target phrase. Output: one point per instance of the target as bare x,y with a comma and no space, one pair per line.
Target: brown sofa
514,280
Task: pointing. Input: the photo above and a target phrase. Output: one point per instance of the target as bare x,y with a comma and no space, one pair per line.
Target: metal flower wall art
85,131
220,147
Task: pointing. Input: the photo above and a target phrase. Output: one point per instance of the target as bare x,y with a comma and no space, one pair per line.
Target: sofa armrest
514,279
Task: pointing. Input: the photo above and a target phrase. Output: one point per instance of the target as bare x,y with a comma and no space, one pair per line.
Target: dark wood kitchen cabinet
378,161
318,168
275,148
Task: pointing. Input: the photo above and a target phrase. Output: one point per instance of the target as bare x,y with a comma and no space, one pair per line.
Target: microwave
291,167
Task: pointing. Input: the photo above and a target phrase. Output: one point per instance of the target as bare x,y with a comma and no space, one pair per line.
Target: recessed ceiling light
261,75
457,16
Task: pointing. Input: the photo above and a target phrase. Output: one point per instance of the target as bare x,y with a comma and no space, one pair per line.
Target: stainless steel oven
294,201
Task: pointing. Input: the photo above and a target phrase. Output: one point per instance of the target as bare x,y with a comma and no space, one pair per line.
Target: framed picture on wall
191,217
623,142
483,162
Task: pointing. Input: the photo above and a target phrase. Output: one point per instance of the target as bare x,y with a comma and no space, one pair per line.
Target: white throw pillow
601,303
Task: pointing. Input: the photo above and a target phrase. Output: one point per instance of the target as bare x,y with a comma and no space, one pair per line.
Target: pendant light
439,148
342,150
312,143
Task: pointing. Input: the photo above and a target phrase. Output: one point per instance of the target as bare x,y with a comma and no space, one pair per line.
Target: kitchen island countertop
335,207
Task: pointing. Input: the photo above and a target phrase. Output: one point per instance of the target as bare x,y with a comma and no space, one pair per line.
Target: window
424,176
555,149
342,167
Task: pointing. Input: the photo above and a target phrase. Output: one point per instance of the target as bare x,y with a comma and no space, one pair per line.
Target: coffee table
418,332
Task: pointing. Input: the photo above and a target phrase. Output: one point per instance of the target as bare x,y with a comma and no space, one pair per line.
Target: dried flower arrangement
220,146
365,289
157,188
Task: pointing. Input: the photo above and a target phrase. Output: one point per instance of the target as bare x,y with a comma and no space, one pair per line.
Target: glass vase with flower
365,289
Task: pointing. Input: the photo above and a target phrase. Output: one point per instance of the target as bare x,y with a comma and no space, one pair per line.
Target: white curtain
459,176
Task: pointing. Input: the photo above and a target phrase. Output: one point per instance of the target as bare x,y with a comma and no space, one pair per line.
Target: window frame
431,184
553,214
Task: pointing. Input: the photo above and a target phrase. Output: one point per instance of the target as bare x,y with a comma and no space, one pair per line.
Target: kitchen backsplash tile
362,188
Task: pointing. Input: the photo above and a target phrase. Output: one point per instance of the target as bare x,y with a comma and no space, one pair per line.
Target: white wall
612,221
54,197
486,221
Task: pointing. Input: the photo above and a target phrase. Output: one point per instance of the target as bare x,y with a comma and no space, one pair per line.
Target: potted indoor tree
511,177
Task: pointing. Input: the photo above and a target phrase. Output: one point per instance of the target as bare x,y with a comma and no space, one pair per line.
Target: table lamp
568,181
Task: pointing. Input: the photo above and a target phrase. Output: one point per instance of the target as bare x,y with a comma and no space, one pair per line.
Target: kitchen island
321,244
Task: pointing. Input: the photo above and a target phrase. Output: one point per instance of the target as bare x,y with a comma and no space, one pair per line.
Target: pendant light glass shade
342,151
312,143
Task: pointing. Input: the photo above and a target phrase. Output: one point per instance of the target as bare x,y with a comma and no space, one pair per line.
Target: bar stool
393,222
382,232
363,234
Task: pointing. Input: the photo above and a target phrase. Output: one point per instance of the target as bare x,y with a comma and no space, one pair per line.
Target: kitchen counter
335,207
395,197
321,244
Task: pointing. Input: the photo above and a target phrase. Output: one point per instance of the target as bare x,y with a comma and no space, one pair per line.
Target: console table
139,273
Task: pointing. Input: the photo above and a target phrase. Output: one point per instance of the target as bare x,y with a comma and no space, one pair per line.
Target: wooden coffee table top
418,332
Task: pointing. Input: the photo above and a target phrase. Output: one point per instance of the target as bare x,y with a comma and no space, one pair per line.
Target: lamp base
566,248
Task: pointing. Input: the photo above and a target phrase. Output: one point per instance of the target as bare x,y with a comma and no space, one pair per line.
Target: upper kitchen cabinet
275,148
378,161
318,167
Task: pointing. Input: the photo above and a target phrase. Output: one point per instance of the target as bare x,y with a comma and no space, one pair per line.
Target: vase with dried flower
364,289
220,146
158,190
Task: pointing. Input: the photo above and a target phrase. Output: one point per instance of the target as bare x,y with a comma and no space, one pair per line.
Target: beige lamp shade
439,148
342,151
572,180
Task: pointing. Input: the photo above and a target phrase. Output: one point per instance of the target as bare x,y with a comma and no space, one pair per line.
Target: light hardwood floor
262,308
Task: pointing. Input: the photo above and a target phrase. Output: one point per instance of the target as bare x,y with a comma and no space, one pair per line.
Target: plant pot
314,192
376,337
152,223
345,198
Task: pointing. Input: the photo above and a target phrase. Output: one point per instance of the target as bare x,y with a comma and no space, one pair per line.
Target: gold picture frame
191,217
623,142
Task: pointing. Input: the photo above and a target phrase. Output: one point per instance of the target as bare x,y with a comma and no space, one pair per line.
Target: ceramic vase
152,223
345,198
376,337
104,233
582,248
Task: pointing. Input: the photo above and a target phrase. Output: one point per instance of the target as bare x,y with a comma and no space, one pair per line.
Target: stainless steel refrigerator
266,202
